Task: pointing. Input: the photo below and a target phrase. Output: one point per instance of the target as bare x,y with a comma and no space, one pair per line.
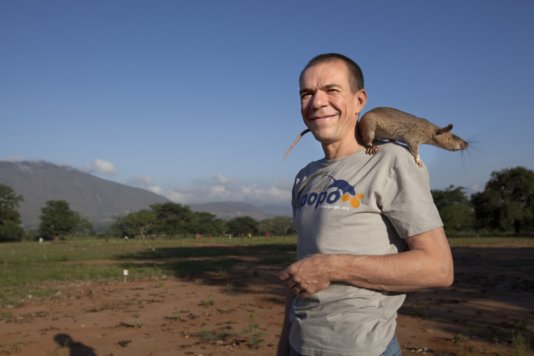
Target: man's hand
308,276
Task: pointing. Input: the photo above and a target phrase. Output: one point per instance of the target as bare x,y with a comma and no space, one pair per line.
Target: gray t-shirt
363,205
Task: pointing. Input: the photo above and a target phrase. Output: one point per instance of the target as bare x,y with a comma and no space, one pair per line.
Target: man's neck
339,150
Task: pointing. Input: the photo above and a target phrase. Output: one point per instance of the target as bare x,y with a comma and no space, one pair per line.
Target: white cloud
145,182
220,188
221,179
155,189
176,196
140,181
102,167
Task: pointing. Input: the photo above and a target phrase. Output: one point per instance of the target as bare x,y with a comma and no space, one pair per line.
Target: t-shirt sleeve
406,200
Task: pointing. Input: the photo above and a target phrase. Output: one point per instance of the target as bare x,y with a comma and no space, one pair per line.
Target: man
367,227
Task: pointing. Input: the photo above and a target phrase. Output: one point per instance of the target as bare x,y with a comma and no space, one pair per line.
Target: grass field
33,270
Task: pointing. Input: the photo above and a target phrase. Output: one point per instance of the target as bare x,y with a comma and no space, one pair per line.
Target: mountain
230,209
277,209
96,199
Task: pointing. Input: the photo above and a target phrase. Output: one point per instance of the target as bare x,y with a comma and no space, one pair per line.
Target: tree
507,202
207,223
280,226
58,220
454,207
242,226
10,224
141,223
83,226
173,219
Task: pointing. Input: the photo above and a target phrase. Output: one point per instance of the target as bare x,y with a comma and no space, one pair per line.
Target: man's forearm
427,263
401,272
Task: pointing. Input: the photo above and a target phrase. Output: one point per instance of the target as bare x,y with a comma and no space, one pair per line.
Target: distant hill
96,199
230,209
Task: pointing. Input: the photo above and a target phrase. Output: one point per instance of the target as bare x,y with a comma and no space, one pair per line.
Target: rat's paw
371,150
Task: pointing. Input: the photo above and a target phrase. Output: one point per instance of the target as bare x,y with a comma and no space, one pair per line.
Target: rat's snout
460,145
450,142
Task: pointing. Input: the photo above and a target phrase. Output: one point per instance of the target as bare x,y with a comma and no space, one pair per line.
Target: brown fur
392,124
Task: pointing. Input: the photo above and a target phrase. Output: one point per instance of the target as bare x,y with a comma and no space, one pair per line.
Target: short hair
355,72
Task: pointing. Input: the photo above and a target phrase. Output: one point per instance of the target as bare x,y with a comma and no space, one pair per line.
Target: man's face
329,108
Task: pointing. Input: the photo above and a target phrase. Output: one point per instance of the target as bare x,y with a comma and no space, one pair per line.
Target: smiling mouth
322,117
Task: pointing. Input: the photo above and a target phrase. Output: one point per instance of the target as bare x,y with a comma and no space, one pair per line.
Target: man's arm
427,263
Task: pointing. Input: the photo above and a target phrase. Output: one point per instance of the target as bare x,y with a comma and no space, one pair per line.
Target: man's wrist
329,267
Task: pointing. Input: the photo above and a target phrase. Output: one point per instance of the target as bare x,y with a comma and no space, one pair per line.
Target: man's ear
361,100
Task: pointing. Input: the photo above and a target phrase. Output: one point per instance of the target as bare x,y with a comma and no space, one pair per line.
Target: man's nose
318,99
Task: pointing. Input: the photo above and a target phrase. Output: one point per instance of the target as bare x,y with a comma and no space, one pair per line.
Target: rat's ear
444,129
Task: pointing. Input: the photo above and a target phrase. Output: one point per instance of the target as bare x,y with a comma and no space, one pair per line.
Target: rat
385,123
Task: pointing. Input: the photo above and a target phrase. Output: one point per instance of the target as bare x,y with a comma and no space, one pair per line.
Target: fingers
294,286
301,292
291,277
290,282
284,275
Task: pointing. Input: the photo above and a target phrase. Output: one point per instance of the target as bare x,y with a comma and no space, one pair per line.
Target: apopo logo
338,190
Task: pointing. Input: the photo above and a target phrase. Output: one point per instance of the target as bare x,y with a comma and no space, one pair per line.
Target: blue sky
198,100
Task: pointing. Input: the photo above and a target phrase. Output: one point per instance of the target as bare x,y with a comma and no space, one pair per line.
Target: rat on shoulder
391,124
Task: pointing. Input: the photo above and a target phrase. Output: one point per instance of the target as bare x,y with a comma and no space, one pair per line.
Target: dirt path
489,311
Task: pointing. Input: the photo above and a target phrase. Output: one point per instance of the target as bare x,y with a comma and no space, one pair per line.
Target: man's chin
323,136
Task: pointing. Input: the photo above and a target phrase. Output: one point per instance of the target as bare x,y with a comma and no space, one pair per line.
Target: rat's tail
295,143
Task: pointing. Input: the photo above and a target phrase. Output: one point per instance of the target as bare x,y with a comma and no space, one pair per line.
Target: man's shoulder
312,166
394,150
392,146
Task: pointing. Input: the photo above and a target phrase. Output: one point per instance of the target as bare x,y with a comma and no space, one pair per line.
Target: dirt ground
238,310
